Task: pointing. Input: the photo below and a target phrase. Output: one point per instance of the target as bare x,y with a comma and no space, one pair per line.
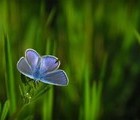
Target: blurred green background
98,44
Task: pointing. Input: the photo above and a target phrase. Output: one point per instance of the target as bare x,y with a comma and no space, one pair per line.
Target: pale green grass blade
87,96
5,110
48,105
96,100
137,35
10,83
48,99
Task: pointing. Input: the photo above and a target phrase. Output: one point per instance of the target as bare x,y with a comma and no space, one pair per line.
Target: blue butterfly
42,68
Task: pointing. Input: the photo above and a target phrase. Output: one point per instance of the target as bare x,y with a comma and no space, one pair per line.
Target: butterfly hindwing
57,77
24,67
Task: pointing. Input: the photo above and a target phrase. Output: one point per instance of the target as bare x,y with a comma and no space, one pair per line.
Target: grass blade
87,96
40,92
0,108
9,76
95,100
5,110
48,105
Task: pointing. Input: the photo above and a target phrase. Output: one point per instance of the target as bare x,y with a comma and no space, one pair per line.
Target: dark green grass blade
0,109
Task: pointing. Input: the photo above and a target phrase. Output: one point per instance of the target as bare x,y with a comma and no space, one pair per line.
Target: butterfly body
44,69
36,75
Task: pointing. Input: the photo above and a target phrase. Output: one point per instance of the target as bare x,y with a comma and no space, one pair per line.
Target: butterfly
42,68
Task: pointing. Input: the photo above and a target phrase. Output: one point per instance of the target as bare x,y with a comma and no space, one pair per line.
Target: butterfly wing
24,68
57,77
48,63
33,58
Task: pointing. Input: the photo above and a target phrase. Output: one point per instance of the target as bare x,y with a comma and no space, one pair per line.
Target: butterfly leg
36,83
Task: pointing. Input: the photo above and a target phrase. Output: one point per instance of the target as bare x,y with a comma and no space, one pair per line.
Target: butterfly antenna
57,61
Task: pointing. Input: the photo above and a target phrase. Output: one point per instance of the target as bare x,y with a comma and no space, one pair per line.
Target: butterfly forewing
57,77
48,64
33,58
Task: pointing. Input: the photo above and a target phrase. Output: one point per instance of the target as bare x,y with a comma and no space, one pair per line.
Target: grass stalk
87,96
10,83
48,105
5,110
48,99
